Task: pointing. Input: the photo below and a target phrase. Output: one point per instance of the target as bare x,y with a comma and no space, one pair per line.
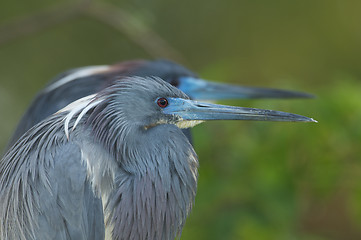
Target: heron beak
201,89
197,112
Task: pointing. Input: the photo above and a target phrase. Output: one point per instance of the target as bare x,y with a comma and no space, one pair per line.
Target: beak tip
307,119
313,120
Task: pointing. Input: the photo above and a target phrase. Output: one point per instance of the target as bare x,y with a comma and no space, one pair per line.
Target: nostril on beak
200,105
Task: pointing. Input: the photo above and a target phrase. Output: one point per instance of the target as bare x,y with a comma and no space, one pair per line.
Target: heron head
151,102
139,102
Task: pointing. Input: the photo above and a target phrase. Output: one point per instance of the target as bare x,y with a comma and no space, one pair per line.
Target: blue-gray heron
118,155
80,82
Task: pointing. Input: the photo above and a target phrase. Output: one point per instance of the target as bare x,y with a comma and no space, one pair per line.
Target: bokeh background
257,180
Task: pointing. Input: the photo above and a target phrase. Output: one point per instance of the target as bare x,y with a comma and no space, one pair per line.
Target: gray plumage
51,187
44,192
114,165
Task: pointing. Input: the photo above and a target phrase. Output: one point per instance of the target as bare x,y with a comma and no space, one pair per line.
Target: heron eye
162,102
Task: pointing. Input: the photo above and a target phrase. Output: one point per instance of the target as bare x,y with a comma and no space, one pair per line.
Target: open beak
201,89
192,110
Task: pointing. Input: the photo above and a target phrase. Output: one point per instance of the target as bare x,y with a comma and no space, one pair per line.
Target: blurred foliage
283,181
257,180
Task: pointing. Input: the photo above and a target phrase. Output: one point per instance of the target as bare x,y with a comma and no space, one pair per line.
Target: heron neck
155,186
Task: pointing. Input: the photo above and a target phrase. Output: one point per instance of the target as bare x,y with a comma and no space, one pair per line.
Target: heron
118,155
80,82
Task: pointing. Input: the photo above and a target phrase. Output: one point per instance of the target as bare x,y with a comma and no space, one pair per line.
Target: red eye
162,102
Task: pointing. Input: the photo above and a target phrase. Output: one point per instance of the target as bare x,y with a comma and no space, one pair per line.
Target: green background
257,180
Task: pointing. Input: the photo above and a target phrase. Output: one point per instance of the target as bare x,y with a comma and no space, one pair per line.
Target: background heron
121,149
80,82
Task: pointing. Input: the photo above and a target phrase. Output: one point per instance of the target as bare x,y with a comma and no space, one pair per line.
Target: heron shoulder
44,192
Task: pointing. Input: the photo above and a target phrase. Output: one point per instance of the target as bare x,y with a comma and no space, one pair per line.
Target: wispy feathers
79,73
